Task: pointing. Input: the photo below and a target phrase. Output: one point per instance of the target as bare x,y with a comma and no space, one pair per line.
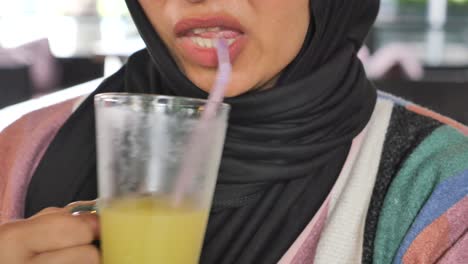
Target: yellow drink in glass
145,230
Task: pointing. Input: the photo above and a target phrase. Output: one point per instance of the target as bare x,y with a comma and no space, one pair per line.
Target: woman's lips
202,51
197,38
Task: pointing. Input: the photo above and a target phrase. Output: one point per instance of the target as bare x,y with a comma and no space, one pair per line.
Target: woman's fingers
68,208
49,210
62,230
80,203
54,235
76,255
50,232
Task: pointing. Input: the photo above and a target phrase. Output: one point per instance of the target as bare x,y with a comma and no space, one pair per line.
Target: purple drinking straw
199,137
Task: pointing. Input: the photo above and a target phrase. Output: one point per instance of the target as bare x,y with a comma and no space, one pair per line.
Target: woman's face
264,37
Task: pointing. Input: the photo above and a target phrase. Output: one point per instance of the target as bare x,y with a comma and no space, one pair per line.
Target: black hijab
284,147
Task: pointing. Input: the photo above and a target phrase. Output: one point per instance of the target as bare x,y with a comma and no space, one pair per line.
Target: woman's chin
231,91
234,92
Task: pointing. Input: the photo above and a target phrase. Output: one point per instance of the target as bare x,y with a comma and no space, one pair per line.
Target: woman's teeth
205,37
203,30
208,42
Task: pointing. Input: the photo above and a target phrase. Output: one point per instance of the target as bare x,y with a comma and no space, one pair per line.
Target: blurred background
51,50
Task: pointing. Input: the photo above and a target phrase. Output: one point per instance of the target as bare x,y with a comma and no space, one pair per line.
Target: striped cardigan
401,197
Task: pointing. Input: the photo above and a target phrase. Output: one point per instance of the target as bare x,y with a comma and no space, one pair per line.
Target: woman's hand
53,236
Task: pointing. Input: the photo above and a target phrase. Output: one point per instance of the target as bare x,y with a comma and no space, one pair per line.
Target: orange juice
149,231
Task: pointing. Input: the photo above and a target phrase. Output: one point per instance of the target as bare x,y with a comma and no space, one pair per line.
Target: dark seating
446,74
79,70
15,84
447,98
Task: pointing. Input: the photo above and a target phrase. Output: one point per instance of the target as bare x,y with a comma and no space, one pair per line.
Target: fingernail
84,209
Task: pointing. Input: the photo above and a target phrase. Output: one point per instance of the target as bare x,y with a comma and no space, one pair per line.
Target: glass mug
141,142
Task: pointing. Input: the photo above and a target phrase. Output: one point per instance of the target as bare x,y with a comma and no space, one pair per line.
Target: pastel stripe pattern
444,197
458,253
440,236
424,207
440,156
343,236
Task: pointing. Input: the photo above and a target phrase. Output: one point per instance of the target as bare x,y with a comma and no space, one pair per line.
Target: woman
315,167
